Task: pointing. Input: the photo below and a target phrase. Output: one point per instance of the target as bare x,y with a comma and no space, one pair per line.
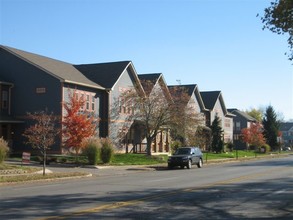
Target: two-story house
286,128
241,121
31,83
117,78
214,102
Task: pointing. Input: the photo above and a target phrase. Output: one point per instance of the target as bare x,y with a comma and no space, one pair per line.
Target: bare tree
160,108
41,134
186,119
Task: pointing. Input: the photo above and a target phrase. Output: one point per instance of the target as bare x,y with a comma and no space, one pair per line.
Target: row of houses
31,82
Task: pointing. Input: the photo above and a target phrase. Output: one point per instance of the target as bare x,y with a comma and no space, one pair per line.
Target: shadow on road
269,200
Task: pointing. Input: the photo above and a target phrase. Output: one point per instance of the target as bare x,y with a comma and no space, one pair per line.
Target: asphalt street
259,189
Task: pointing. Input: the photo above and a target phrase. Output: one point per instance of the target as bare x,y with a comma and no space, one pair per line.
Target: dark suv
186,156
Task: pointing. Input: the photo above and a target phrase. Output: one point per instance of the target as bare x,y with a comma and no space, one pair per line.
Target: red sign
26,157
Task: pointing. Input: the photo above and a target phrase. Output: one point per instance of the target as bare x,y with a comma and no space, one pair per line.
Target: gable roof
286,126
63,71
106,74
153,77
210,98
148,81
187,88
241,114
191,89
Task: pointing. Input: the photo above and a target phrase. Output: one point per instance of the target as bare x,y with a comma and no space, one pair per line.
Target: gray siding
27,79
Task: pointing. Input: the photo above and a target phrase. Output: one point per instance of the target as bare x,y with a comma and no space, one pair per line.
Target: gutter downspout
108,91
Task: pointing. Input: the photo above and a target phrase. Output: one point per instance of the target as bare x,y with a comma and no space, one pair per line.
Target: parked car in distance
286,148
186,156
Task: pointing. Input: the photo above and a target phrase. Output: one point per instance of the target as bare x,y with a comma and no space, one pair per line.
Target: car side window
192,151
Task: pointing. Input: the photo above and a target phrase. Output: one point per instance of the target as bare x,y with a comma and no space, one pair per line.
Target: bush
106,150
265,148
229,146
175,145
92,148
4,149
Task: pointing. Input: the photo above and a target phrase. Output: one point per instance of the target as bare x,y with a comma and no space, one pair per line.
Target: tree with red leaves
78,124
253,135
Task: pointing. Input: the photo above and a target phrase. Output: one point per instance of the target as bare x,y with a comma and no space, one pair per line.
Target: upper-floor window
237,126
4,99
227,123
88,99
125,103
93,103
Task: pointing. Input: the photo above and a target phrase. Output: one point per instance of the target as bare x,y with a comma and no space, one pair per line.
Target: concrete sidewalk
99,170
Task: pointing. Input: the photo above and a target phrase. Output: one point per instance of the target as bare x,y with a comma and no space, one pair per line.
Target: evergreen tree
271,127
217,133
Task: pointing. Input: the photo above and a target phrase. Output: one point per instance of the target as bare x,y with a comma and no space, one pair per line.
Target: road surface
239,190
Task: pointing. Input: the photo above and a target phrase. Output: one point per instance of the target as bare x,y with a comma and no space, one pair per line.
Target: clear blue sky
217,44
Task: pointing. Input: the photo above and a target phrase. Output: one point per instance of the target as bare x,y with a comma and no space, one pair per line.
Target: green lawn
142,159
231,155
137,159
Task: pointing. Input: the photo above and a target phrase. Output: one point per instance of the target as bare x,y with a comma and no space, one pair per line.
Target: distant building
241,121
214,102
286,128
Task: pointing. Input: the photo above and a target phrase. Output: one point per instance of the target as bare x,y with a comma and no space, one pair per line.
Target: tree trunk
44,163
149,146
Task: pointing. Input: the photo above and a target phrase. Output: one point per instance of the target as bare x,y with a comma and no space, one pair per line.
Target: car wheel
189,164
199,165
170,166
182,167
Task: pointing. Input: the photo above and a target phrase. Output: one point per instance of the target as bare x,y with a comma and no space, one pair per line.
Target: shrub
4,149
175,145
229,146
92,147
106,150
265,148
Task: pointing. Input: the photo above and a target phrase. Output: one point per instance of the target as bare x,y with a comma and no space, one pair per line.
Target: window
238,126
93,103
227,123
87,102
4,99
236,137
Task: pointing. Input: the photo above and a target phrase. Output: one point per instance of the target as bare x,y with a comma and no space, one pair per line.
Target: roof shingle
65,72
106,74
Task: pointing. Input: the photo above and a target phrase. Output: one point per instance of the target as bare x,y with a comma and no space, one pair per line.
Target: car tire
189,165
199,165
170,167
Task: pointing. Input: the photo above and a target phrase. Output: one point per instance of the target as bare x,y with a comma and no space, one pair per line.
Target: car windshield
183,151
